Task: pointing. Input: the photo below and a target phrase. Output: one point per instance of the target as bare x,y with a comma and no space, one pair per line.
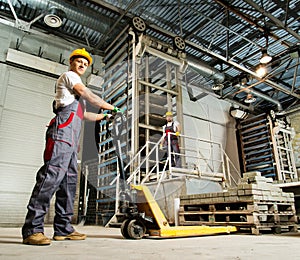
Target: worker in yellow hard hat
173,127
58,175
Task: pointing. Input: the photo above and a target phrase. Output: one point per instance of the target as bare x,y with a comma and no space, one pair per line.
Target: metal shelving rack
116,92
266,146
257,146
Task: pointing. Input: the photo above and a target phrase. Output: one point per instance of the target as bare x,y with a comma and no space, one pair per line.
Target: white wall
208,118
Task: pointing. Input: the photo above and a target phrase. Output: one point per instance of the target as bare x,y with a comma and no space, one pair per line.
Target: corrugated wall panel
13,126
26,111
14,204
16,181
12,178
32,82
2,87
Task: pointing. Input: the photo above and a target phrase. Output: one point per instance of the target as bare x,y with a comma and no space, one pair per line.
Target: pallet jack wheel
124,228
277,230
136,229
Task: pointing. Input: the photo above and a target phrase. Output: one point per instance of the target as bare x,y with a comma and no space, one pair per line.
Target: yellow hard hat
82,53
169,113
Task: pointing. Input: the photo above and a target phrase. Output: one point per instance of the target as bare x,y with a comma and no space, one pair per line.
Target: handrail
136,155
223,162
143,161
220,160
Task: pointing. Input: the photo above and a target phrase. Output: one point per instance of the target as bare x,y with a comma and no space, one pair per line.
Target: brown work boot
73,236
37,239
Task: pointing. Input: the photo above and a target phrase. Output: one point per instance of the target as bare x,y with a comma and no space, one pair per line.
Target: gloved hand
108,116
117,110
161,147
177,133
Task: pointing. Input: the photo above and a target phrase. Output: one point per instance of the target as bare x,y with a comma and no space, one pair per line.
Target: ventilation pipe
261,95
218,77
206,71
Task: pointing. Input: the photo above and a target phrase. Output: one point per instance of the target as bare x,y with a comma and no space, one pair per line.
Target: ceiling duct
206,71
174,56
261,95
90,18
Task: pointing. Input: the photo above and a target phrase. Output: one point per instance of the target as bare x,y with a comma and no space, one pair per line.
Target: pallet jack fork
145,218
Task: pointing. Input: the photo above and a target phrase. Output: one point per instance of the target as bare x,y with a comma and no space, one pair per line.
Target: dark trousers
175,158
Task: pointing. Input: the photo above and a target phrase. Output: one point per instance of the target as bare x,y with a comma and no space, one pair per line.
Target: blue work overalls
58,174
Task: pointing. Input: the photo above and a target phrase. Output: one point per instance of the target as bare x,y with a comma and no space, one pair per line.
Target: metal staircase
286,167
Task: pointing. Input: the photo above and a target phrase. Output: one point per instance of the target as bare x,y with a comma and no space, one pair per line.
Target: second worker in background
172,127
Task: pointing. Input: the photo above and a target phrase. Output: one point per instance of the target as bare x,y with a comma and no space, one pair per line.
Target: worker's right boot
37,239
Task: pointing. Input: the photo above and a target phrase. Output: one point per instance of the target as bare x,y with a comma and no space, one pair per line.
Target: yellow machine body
146,203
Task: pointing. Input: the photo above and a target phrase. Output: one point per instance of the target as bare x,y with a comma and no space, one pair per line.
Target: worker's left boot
73,236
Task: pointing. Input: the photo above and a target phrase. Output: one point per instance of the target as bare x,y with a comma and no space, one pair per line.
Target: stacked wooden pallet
256,205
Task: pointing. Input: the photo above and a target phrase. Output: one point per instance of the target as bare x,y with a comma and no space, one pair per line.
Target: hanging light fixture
250,99
238,112
261,71
265,57
244,79
217,86
54,17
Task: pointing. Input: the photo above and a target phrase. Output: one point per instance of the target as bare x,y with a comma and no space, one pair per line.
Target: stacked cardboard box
256,204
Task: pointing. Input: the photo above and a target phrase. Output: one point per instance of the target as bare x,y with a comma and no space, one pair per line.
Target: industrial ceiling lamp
250,99
265,57
244,79
217,86
54,17
261,71
238,113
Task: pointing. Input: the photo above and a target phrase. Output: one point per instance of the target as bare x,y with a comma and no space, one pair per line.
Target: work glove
161,147
108,117
117,110
177,133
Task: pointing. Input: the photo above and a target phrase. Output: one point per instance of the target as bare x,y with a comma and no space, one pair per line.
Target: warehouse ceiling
228,36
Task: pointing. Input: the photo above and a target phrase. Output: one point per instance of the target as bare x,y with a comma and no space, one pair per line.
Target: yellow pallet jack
140,214
144,218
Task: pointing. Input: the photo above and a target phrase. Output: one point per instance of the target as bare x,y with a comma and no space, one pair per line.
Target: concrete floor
108,243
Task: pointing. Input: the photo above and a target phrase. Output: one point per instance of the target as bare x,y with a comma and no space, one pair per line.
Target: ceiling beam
242,68
274,19
249,20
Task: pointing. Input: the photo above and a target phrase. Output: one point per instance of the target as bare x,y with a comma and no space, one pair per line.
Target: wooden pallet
255,204
255,216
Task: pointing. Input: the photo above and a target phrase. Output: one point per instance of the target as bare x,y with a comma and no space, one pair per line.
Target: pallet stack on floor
256,205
